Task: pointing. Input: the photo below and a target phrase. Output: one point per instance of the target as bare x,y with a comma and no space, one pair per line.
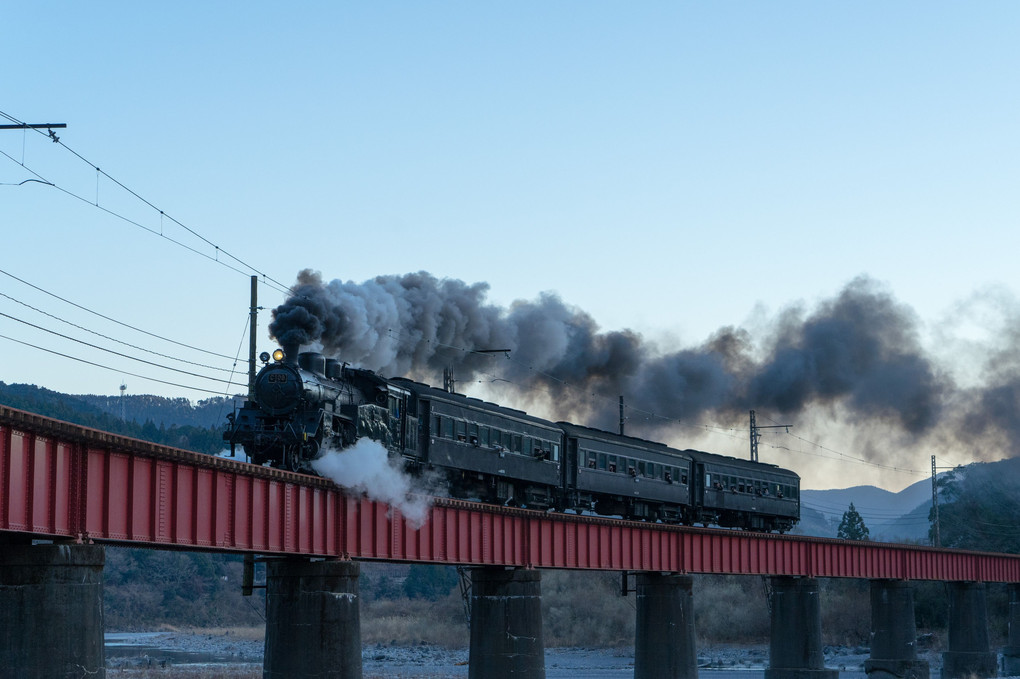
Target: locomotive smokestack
290,352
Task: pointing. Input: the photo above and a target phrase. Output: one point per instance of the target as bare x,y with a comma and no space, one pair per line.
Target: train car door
698,485
570,464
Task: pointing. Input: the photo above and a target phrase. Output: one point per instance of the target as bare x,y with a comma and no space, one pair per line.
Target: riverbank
237,654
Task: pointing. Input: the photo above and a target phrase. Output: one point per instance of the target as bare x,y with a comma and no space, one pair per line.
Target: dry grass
412,622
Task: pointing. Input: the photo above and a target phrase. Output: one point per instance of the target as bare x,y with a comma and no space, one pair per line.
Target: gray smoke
860,351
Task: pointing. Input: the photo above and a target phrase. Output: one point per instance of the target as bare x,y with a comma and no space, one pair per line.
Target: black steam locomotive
500,455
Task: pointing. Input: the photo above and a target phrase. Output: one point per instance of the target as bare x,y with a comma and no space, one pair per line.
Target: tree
852,526
979,507
430,582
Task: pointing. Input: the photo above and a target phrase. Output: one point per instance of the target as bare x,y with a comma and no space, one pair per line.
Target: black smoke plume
860,352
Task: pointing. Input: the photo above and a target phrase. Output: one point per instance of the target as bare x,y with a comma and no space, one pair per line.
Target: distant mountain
171,422
211,412
890,517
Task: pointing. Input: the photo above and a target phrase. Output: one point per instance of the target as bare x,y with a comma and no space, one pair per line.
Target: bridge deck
64,481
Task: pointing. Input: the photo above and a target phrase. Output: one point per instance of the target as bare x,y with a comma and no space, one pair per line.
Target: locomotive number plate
278,377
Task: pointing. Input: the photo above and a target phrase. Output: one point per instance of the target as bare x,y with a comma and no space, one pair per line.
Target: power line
163,215
113,320
106,367
112,213
111,351
113,339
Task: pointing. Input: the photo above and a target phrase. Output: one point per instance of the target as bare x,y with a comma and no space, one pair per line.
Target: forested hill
168,421
979,507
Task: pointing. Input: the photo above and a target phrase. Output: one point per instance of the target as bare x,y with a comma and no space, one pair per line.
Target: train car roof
424,390
580,430
738,462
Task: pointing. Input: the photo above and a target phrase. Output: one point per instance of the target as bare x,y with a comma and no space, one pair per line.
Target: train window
517,443
641,467
483,436
555,452
683,478
528,446
461,429
437,426
473,434
612,463
602,461
447,428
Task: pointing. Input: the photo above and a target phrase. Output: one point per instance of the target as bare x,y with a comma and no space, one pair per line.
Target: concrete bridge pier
795,647
506,624
968,653
51,611
1011,653
664,641
894,633
313,623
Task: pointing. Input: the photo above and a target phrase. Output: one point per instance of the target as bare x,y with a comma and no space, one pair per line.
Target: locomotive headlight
278,355
264,357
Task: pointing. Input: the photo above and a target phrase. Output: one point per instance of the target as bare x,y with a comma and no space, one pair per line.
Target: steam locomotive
304,403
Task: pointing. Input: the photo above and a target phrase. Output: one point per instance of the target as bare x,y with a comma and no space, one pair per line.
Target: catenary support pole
795,647
51,611
313,625
968,654
664,641
506,624
894,633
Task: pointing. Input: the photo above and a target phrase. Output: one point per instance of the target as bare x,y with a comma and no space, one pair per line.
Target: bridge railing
64,481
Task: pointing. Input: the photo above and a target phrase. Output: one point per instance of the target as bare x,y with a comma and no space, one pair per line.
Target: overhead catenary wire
111,351
213,258
116,370
217,250
113,320
113,339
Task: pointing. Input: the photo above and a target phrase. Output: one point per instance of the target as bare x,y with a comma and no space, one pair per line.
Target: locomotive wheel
291,460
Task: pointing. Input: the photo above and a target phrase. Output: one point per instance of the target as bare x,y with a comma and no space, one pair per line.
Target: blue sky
668,167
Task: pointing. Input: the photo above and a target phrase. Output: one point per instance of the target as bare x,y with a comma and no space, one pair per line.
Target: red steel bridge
66,482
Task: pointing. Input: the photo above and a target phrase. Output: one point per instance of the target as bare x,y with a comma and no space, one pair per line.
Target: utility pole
622,419
252,323
756,435
936,540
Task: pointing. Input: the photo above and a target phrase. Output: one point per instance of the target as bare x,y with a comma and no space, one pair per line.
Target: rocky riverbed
233,654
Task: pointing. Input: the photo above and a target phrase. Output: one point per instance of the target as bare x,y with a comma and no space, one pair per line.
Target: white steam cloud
366,468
